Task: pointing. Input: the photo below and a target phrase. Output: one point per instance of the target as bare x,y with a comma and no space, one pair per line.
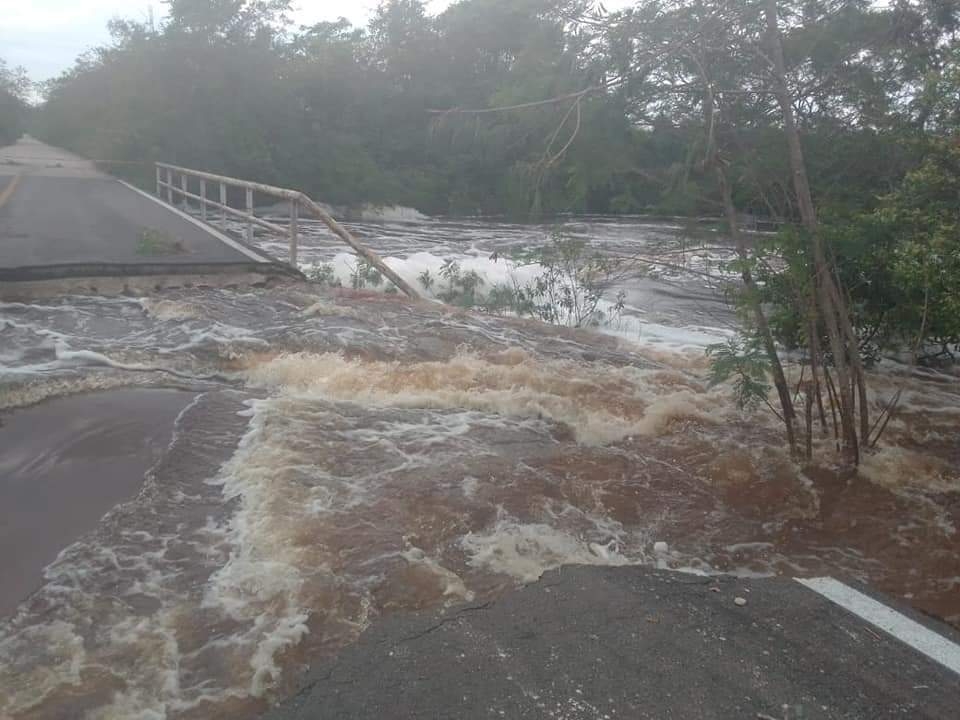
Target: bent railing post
296,199
370,256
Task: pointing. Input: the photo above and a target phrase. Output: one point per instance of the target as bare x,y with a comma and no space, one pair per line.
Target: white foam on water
261,582
671,338
228,340
57,651
601,404
37,390
897,467
170,310
391,213
454,588
504,272
88,358
525,551
568,535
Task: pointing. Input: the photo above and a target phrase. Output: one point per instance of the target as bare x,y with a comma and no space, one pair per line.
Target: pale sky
45,36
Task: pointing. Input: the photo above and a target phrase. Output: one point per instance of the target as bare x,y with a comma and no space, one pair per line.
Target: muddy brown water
350,455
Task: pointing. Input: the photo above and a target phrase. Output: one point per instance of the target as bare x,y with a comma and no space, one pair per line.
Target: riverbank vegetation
347,113
14,110
833,120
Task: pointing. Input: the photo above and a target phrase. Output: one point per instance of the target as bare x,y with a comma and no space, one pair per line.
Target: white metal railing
167,174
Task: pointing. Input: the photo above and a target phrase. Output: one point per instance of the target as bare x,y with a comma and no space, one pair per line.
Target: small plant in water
156,242
507,298
324,274
462,287
574,282
426,280
365,274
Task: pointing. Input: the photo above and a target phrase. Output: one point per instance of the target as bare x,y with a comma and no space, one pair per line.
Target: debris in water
739,602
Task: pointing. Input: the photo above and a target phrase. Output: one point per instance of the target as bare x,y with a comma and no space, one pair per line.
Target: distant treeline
347,113
14,110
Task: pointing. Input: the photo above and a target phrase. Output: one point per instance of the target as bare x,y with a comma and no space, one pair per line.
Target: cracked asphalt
632,642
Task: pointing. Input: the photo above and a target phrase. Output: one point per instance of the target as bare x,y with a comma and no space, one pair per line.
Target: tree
14,89
227,20
902,260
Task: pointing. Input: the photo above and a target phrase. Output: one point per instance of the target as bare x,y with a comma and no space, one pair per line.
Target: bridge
60,219
65,226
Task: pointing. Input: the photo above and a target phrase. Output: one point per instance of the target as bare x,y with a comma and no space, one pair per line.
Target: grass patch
155,242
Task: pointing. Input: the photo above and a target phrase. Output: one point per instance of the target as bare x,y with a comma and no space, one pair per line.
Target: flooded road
347,455
64,464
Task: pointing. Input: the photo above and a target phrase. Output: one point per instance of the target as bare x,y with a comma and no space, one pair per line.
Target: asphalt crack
447,620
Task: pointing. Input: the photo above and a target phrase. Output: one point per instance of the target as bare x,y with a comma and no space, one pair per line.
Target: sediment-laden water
348,455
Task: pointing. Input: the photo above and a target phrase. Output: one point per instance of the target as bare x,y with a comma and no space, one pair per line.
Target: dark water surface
64,464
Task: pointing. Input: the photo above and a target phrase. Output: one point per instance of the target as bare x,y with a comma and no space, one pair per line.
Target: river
341,454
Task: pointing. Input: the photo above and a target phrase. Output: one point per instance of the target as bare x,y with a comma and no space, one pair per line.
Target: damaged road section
633,642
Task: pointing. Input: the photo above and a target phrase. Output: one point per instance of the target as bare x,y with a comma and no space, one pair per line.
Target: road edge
255,255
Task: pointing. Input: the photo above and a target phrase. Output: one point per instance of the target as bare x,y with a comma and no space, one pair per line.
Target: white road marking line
920,638
226,239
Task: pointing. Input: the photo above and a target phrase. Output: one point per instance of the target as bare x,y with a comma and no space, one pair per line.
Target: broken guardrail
167,174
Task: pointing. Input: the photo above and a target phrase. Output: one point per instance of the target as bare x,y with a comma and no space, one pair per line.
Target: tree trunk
815,372
753,300
833,311
712,158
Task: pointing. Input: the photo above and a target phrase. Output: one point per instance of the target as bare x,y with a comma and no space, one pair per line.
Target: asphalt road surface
64,464
57,210
629,642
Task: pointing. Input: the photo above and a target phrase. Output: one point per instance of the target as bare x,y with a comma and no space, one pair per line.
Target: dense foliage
899,260
13,105
343,112
902,260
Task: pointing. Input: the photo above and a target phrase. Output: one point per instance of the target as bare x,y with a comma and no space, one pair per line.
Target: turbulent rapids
345,455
